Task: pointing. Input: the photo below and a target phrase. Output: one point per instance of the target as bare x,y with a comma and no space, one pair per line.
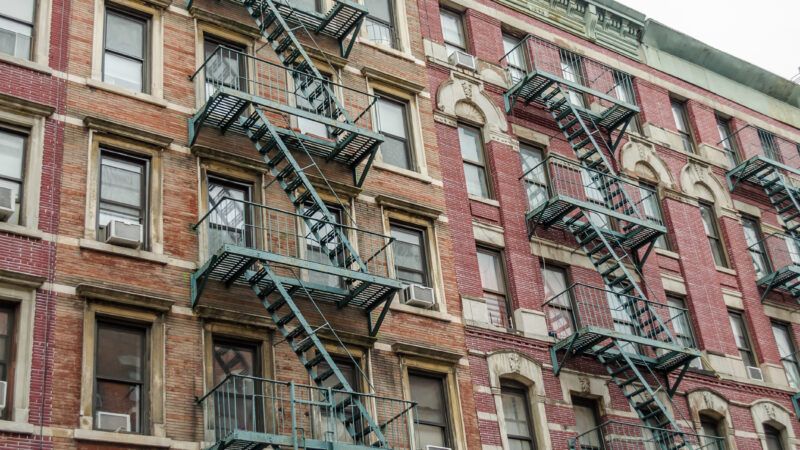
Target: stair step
581,144
275,160
284,44
636,392
645,404
303,346
293,184
620,370
285,319
318,358
608,271
275,33
319,378
575,134
276,305
627,381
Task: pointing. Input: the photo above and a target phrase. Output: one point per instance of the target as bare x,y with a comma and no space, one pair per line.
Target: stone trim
235,26
390,202
137,440
24,106
112,294
768,412
100,125
213,154
216,314
419,351
21,279
30,118
24,298
391,80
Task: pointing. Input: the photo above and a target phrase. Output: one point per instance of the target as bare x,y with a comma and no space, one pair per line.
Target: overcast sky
763,32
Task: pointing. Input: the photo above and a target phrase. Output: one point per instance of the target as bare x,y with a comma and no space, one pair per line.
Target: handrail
605,289
619,428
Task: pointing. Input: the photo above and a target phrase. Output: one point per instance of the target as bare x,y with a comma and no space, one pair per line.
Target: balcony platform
754,168
251,440
619,435
785,279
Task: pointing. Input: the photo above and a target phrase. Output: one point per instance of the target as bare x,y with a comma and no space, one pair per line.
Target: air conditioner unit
463,59
7,200
436,447
416,295
116,422
3,392
755,373
120,233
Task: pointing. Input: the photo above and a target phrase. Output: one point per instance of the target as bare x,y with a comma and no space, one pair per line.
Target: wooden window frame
408,142
687,135
442,379
481,165
425,252
715,240
739,315
146,59
519,389
506,321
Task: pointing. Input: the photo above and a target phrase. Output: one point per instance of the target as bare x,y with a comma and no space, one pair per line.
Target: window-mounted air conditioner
120,233
463,59
116,422
7,200
416,295
755,373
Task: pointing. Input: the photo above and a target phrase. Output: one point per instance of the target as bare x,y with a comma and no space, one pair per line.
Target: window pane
430,435
120,352
15,193
786,350
228,68
18,9
708,220
380,9
395,152
742,341
6,340
15,38
476,180
234,359
469,139
452,28
555,281
125,35
428,392
409,254
12,149
317,252
491,271
118,406
392,117
379,32
586,424
121,182
515,410
306,5
679,116
773,436
123,72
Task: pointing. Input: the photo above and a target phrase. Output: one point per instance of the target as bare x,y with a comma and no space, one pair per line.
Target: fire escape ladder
277,297
784,197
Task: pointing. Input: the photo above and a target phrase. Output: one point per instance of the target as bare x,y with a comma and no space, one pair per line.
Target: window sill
25,63
20,230
405,172
726,270
123,251
390,51
122,438
10,426
487,201
430,313
147,98
667,253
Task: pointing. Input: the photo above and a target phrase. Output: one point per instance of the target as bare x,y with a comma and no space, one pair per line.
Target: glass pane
516,444
118,406
471,144
452,28
125,35
491,271
496,307
234,359
650,206
429,395
12,151
120,352
679,116
409,257
317,252
476,180
306,5
555,282
15,38
430,435
707,215
515,410
312,127
122,72
228,68
395,152
380,9
228,221
794,249
121,182
773,437
18,9
585,423
392,117
379,32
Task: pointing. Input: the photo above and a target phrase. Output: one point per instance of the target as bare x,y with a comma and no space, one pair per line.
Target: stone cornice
123,297
426,352
407,206
21,279
16,104
378,75
118,129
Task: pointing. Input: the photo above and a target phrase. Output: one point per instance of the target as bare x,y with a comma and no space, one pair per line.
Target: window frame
594,406
568,308
424,251
726,135
221,180
681,120
516,71
211,38
145,212
749,351
675,301
520,390
481,165
391,25
791,358
11,352
769,147
447,424
716,240
24,168
144,419
33,26
340,214
505,320
655,203
453,46
750,222
408,140
146,21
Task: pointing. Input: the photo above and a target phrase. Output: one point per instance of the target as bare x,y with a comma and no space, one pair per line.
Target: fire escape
302,259
634,338
773,171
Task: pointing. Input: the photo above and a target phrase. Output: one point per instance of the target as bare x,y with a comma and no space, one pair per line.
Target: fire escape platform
785,279
233,265
228,109
339,22
533,87
251,440
755,167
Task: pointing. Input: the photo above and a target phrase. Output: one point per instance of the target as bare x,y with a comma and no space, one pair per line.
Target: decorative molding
123,297
697,177
20,105
386,78
236,317
413,208
224,22
106,126
204,152
464,97
638,155
21,279
426,352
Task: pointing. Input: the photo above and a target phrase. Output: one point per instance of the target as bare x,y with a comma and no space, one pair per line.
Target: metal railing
533,54
581,306
750,141
566,178
617,435
245,404
774,252
257,226
233,69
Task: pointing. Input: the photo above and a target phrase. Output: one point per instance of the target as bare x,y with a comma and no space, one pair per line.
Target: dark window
453,31
559,313
651,207
7,355
230,221
16,27
228,68
534,175
773,438
712,232
471,143
308,126
755,244
516,57
325,252
241,395
12,168
493,280
433,427
516,413
712,434
121,374
125,55
380,22
770,145
682,124
728,140
742,339
123,190
586,422
410,255
786,348
681,325
396,147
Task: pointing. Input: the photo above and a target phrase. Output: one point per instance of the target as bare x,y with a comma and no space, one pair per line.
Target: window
711,432
16,27
396,147
230,221
308,5
453,31
559,314
433,427
350,372
123,190
308,126
623,90
681,325
712,232
493,280
742,339
593,182
794,249
769,145
786,348
380,22
7,355
773,437
621,317
755,244
516,58
319,252
586,422
682,124
125,54
239,358
410,256
727,140
471,143
534,175
572,70
651,207
12,168
121,373
228,68
517,416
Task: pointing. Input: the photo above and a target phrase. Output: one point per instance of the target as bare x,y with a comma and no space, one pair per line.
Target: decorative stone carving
465,98
777,416
697,180
634,154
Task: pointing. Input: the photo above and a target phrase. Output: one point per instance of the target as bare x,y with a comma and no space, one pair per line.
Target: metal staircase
628,334
262,249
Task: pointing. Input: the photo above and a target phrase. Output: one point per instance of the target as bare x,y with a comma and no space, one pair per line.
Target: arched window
712,432
773,437
517,416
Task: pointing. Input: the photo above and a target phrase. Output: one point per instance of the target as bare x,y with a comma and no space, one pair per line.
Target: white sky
763,32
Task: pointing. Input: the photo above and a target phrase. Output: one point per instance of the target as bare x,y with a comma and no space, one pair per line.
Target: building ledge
21,230
21,278
141,96
24,106
10,426
129,298
137,134
123,251
388,201
426,352
231,316
122,438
